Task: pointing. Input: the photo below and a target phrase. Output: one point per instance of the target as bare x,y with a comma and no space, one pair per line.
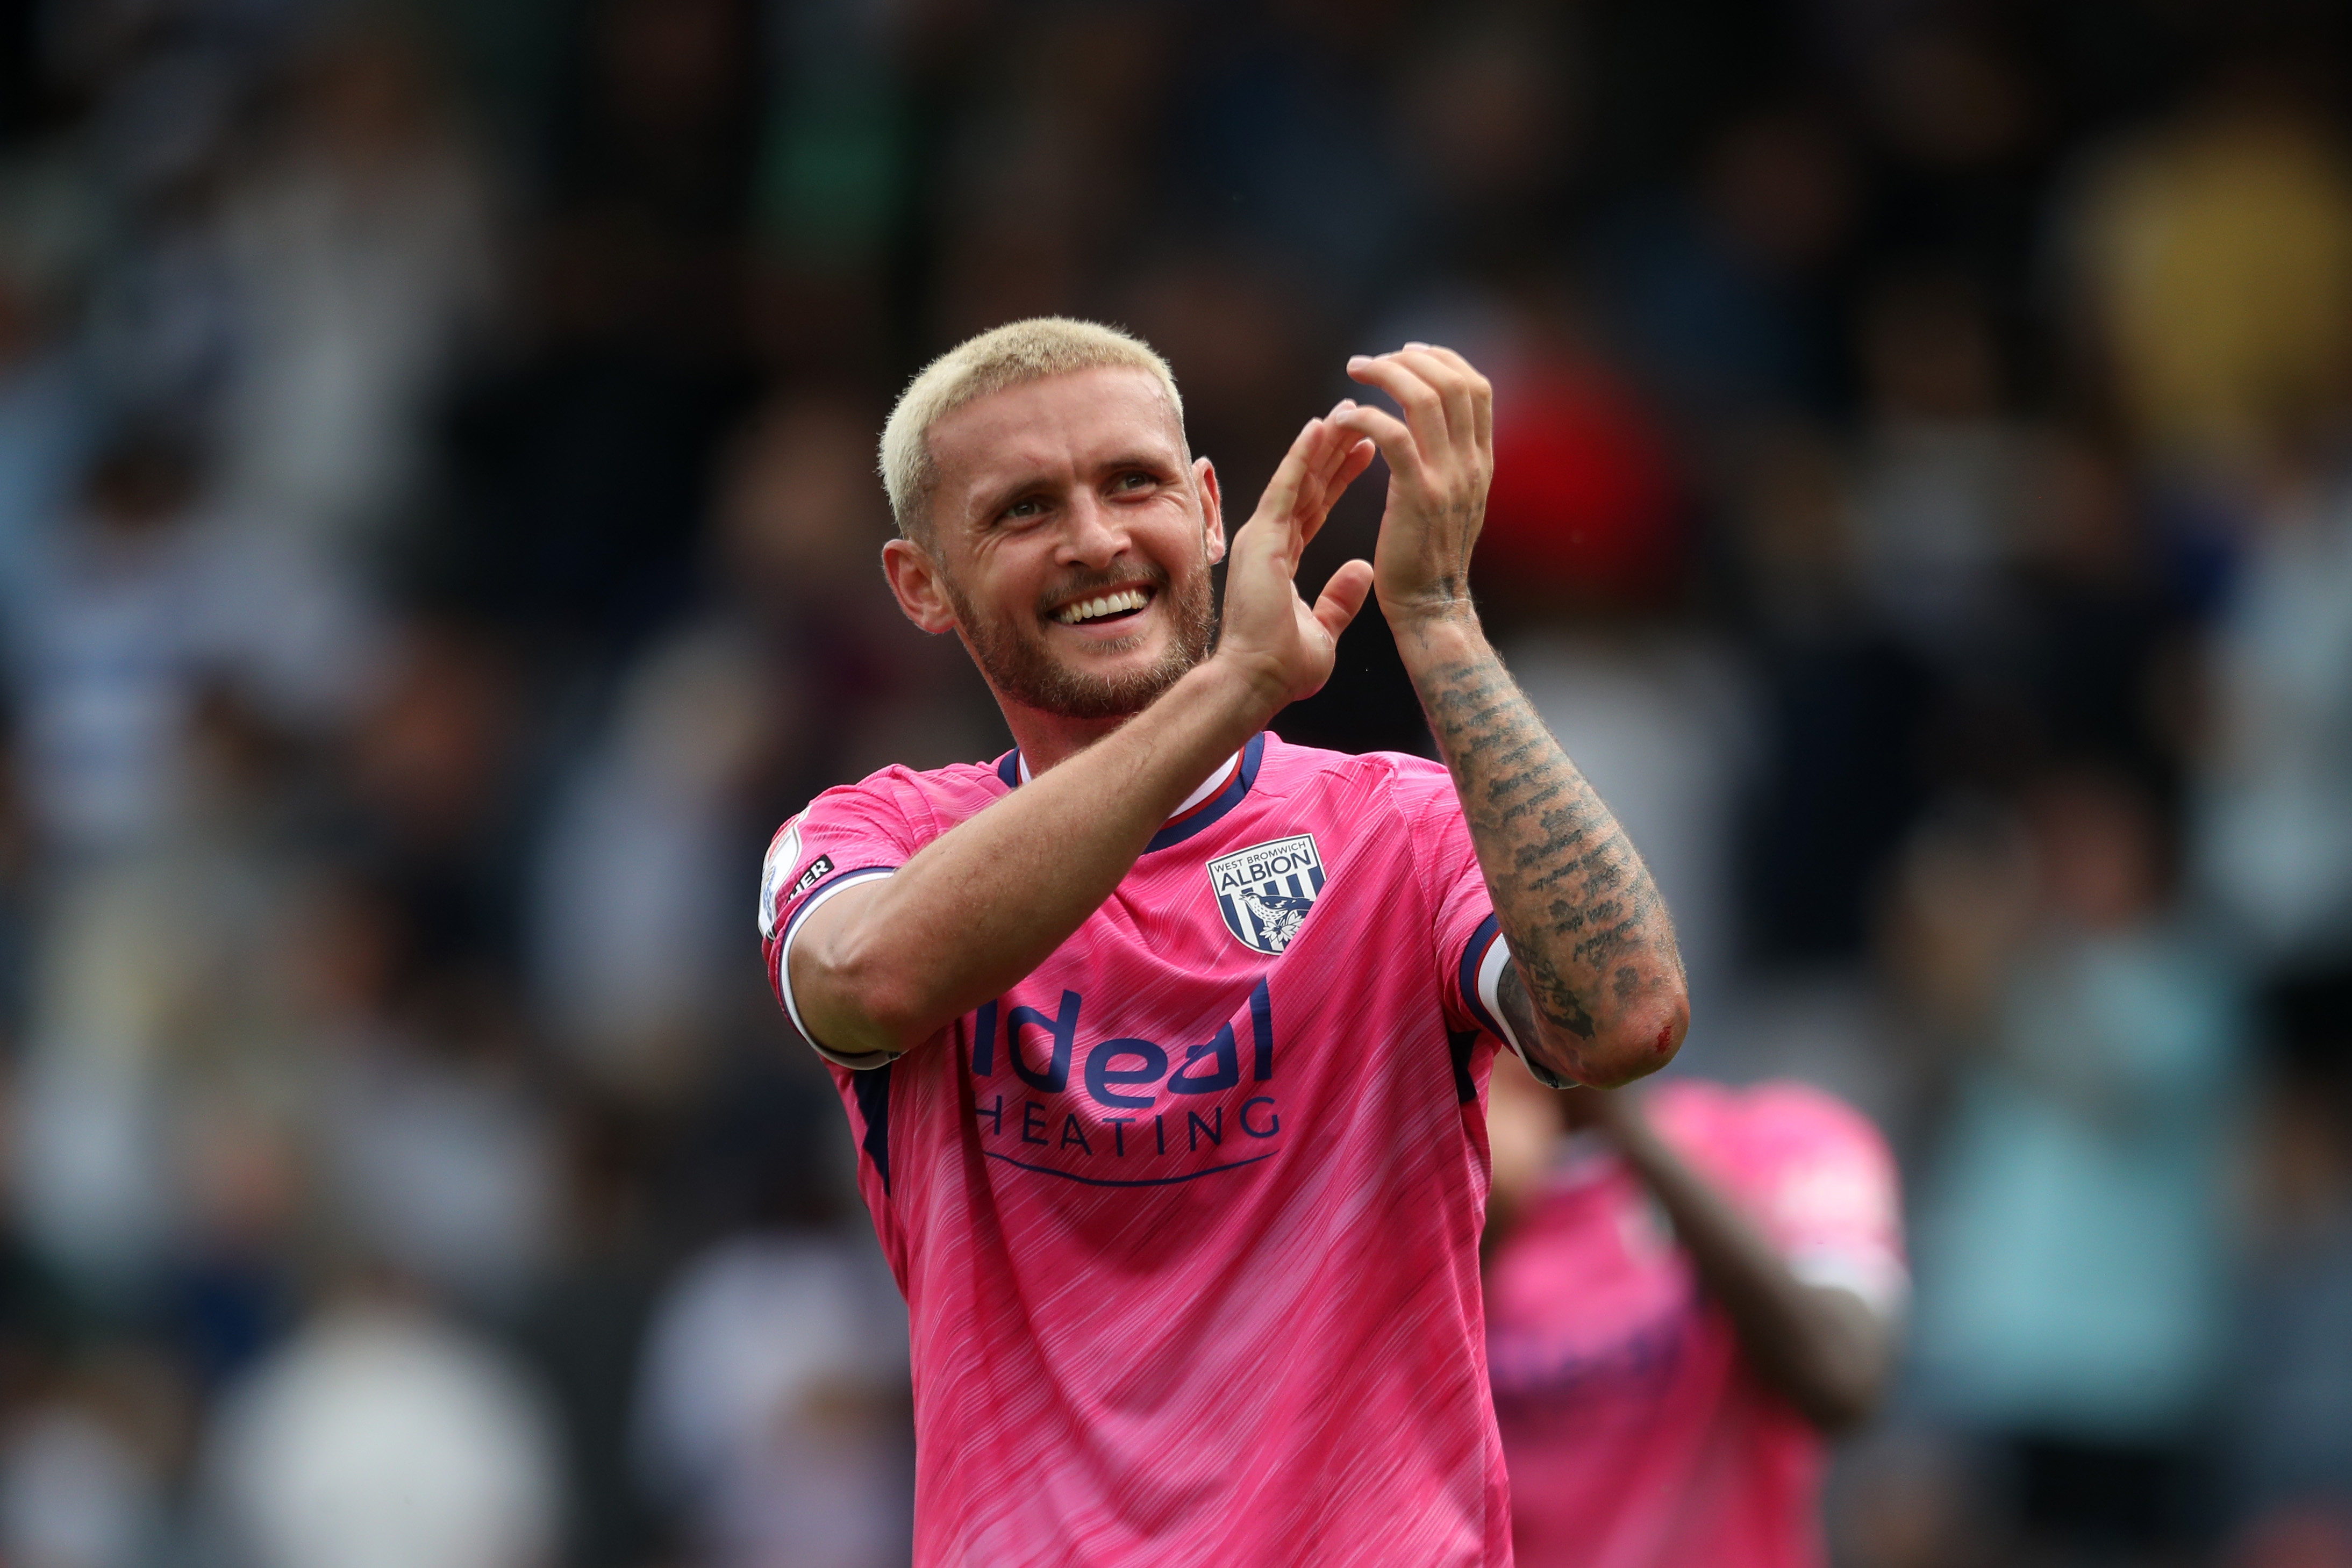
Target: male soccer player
1681,1299
1164,1042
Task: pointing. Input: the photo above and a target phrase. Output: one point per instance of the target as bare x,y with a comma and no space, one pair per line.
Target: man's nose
1096,535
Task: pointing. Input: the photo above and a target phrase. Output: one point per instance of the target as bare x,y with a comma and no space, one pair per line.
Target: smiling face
1069,543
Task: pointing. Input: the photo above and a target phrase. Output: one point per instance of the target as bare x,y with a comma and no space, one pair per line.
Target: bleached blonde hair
1012,355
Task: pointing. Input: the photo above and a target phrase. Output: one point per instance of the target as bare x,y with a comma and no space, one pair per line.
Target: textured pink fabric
1636,1438
1189,1229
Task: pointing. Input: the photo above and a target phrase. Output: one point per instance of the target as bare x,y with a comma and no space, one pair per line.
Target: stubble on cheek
1017,660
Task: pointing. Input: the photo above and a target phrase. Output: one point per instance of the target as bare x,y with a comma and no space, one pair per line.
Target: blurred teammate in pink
1165,1043
1684,1295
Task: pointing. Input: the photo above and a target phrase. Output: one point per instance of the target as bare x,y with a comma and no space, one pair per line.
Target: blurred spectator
1041,186
1275,104
2211,254
48,403
1939,485
1842,700
72,1497
783,1448
437,1154
152,698
234,1288
583,1327
634,919
432,778
800,673
121,610
1962,149
360,242
2070,1244
1686,1290
1722,294
2290,1432
85,1471
2104,648
109,647
2274,833
384,1438
1489,105
661,130
576,463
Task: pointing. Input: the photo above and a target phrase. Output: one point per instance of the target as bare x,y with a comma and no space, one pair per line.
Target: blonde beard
1019,666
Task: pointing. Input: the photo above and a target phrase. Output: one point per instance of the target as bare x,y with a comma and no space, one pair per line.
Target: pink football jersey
1188,1220
1636,1438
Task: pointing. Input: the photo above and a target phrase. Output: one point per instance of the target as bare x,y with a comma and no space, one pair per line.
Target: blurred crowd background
437,546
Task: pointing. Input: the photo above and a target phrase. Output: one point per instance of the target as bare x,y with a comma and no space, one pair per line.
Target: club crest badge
1264,891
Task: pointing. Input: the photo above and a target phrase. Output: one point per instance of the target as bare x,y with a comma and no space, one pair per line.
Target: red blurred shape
1585,503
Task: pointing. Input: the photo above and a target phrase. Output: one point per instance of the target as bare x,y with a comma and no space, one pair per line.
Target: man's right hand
1283,647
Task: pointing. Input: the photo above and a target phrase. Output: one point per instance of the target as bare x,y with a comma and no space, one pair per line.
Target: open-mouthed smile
1104,607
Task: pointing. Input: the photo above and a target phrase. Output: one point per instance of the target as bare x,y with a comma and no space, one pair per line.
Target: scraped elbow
1638,1042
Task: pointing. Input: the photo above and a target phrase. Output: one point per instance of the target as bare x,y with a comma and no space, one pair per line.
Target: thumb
1343,596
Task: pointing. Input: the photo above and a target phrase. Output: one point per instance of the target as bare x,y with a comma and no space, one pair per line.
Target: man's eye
1028,509
1131,482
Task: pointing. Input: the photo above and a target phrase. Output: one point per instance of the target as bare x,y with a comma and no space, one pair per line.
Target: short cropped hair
1009,356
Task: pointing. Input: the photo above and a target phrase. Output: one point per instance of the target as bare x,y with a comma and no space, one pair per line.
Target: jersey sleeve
1472,952
847,836
1823,1180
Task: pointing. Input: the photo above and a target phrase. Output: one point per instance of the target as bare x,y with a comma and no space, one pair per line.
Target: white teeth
1107,604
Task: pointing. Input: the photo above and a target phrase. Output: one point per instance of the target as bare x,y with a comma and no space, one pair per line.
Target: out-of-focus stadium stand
437,544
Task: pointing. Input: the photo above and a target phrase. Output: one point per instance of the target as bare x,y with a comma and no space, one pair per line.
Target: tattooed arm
1595,992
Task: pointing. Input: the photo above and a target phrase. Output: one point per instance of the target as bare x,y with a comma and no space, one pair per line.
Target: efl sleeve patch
847,836
819,869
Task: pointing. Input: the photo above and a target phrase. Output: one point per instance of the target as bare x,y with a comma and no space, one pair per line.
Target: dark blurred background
437,546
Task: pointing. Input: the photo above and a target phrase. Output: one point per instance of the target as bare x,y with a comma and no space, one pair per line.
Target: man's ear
920,586
1213,508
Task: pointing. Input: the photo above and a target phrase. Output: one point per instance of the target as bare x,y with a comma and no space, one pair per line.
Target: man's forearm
983,905
1588,935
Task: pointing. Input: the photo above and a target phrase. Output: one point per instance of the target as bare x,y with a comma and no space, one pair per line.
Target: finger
1331,447
1349,462
1355,456
1482,391
1389,434
1343,596
1452,390
1352,463
1280,499
1321,483
1424,410
1448,355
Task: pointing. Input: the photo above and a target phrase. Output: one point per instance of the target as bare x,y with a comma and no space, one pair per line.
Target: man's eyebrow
1155,462
986,504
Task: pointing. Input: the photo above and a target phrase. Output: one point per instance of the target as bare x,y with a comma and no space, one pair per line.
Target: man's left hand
1441,458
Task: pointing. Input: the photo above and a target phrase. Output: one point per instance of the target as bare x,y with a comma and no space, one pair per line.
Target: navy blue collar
1183,826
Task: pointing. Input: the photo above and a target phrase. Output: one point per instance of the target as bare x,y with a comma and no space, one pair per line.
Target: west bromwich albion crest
1264,891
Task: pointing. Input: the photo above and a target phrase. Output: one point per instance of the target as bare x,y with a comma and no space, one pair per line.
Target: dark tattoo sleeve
1590,939
1519,1018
